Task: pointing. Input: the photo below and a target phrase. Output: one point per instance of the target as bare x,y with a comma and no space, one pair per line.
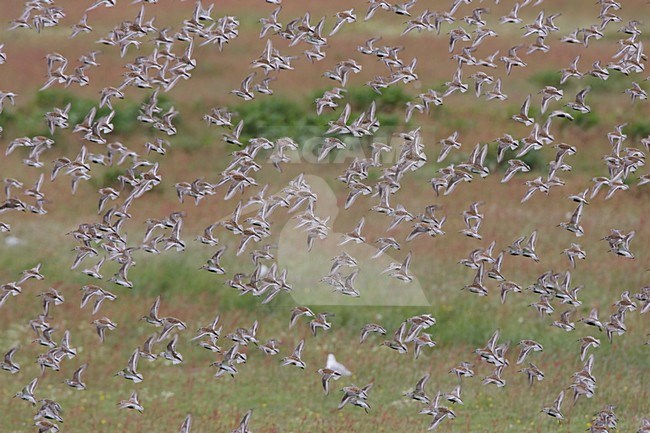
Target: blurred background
283,398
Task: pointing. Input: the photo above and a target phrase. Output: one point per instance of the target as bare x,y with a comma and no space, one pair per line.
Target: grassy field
287,399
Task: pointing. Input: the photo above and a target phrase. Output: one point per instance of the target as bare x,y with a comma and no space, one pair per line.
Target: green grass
293,400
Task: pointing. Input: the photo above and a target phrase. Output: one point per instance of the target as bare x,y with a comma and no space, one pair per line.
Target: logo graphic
307,269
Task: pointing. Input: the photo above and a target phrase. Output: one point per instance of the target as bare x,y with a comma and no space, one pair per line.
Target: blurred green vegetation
29,119
535,159
390,100
638,129
108,177
268,117
279,117
616,83
586,120
547,77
